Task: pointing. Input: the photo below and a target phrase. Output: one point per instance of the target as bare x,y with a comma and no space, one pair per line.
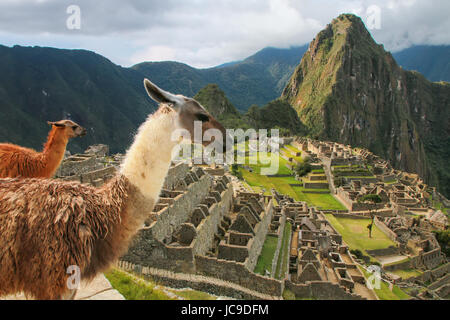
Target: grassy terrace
266,256
356,235
136,288
407,273
284,184
284,251
384,293
291,151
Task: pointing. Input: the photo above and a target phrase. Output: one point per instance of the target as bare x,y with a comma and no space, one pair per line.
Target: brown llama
17,161
48,225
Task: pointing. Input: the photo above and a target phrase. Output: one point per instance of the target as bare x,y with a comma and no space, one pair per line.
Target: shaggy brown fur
84,226
17,161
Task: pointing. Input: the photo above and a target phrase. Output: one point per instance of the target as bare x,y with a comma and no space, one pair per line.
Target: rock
99,150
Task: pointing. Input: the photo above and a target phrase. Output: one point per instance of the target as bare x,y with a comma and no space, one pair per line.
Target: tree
374,198
302,169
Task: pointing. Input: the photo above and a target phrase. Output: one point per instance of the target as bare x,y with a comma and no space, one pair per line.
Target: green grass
356,235
440,206
292,155
254,162
282,185
284,251
266,256
407,273
292,148
352,166
324,201
132,288
189,294
397,262
384,293
135,288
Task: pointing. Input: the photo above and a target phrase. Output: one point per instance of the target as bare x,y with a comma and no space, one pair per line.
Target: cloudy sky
205,33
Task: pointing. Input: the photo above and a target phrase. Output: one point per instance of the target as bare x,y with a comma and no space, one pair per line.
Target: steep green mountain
349,89
41,84
276,114
255,80
216,102
431,61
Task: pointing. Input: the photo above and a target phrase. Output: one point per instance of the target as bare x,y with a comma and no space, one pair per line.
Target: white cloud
154,53
205,33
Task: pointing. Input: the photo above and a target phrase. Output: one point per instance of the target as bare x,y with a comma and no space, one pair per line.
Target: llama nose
83,133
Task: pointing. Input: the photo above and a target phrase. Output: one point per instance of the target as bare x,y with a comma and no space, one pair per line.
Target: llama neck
54,148
148,160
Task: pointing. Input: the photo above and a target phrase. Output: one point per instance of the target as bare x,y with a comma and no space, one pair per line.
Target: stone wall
432,259
169,219
385,229
431,275
320,290
439,283
316,185
407,264
196,282
237,272
390,251
209,226
175,174
279,244
148,247
260,236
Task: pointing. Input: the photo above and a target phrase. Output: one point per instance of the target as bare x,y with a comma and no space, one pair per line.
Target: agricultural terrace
356,235
285,183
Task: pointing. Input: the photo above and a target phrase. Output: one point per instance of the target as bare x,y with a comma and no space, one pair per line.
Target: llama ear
159,95
56,124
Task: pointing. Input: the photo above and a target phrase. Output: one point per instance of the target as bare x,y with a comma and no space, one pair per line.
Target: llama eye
202,117
74,127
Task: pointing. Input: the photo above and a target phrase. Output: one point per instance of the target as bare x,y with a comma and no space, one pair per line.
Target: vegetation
255,80
302,169
443,237
384,293
267,253
320,87
284,252
374,198
136,288
132,288
407,273
354,233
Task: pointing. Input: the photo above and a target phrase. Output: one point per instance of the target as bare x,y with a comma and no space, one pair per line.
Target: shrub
357,253
374,198
302,169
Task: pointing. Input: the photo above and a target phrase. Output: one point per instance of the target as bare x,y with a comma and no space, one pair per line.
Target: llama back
47,226
15,159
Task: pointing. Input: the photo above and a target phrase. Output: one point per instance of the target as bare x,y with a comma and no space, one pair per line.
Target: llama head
71,129
190,111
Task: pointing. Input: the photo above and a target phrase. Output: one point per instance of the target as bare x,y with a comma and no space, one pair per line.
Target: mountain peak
347,88
215,101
